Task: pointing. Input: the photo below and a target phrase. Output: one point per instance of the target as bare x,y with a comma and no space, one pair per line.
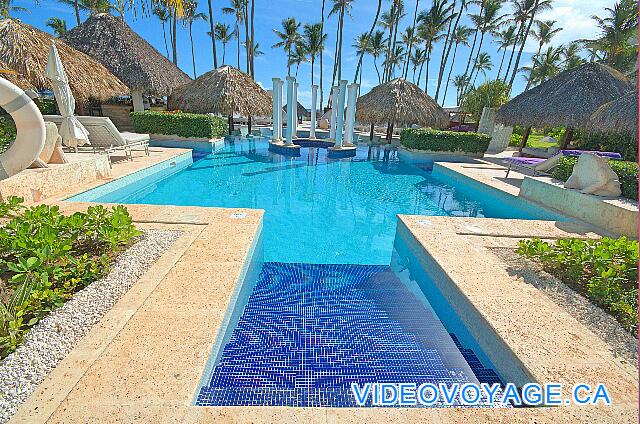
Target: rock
52,150
593,175
549,139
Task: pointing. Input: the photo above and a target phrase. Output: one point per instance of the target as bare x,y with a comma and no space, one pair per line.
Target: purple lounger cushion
524,161
610,155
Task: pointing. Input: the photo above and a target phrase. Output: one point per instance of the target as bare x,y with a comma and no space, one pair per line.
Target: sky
574,16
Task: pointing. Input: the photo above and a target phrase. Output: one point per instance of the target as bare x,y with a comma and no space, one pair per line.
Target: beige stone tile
247,415
136,413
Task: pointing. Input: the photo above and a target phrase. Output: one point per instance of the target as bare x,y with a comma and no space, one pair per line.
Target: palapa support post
137,100
568,136
230,124
314,100
525,137
371,132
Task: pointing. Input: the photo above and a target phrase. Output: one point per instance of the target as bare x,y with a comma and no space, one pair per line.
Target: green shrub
627,174
180,124
515,140
626,145
7,133
47,106
605,271
45,257
489,94
444,141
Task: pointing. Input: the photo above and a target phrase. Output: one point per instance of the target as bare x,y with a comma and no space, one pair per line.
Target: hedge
180,124
444,141
7,133
624,144
627,174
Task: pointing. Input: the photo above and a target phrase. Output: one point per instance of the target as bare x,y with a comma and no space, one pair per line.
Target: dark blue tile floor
308,331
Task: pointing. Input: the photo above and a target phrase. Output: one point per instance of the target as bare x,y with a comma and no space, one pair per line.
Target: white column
276,116
334,113
280,87
314,99
340,110
295,110
351,114
290,86
138,102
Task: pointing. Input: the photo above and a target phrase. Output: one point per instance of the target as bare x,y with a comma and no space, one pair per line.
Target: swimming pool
320,210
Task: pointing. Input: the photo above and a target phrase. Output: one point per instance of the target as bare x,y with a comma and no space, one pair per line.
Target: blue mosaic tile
308,331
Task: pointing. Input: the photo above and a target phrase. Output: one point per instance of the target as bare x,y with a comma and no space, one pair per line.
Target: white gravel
621,343
52,339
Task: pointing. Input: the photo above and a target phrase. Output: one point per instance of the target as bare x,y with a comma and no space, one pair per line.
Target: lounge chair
266,132
105,137
545,165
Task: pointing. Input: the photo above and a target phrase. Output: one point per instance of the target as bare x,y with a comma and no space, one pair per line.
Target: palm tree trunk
313,60
212,26
76,7
174,24
504,53
421,69
373,27
224,52
513,51
247,45
253,40
321,54
375,65
164,34
448,41
475,61
446,86
415,19
335,58
533,65
524,40
238,39
426,73
289,62
193,52
340,46
392,63
387,65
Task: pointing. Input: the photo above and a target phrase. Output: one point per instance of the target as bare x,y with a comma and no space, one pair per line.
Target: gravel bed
52,339
621,344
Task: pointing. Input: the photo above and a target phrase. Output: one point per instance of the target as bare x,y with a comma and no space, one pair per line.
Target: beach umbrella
567,100
71,130
112,42
400,102
25,50
223,91
618,116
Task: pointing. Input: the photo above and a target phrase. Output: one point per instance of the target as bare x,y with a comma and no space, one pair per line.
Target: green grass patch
605,271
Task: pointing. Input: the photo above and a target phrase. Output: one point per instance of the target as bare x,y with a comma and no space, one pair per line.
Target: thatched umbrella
25,50
399,101
225,91
618,116
15,77
302,111
567,100
128,56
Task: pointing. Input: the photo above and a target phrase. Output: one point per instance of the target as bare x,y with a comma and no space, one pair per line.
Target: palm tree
341,8
409,38
91,6
360,44
616,29
368,37
314,41
59,26
473,43
460,37
224,35
321,50
190,16
543,32
238,10
299,56
460,82
544,66
395,15
571,56
376,48
162,14
212,34
289,38
538,6
450,40
487,21
445,10
396,60
417,58
430,29
506,38
410,41
483,64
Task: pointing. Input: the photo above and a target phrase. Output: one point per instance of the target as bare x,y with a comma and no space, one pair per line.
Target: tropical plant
488,21
212,33
238,9
91,6
391,21
59,26
367,42
224,35
459,37
491,94
430,29
417,58
162,14
571,56
340,8
360,45
7,8
544,32
410,41
448,44
321,50
506,38
483,64
544,66
617,28
408,38
460,82
376,49
298,56
313,42
396,60
190,16
289,38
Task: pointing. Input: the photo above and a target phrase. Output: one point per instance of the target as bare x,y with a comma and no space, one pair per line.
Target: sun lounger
266,132
105,137
544,166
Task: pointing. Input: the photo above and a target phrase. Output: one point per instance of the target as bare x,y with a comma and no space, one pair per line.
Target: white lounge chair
105,137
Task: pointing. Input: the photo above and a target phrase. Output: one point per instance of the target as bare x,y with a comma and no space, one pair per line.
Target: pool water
320,210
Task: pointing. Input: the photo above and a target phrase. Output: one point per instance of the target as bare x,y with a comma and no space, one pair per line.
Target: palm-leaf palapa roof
226,91
15,77
567,100
400,101
128,56
25,50
618,116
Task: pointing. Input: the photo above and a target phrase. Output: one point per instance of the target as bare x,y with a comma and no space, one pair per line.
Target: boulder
52,150
593,175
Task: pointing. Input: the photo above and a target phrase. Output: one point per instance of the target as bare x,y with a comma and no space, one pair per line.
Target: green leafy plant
604,270
624,144
180,124
7,133
627,174
46,257
444,141
489,94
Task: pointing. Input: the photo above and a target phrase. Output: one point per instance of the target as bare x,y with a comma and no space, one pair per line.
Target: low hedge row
7,133
180,124
627,174
444,141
